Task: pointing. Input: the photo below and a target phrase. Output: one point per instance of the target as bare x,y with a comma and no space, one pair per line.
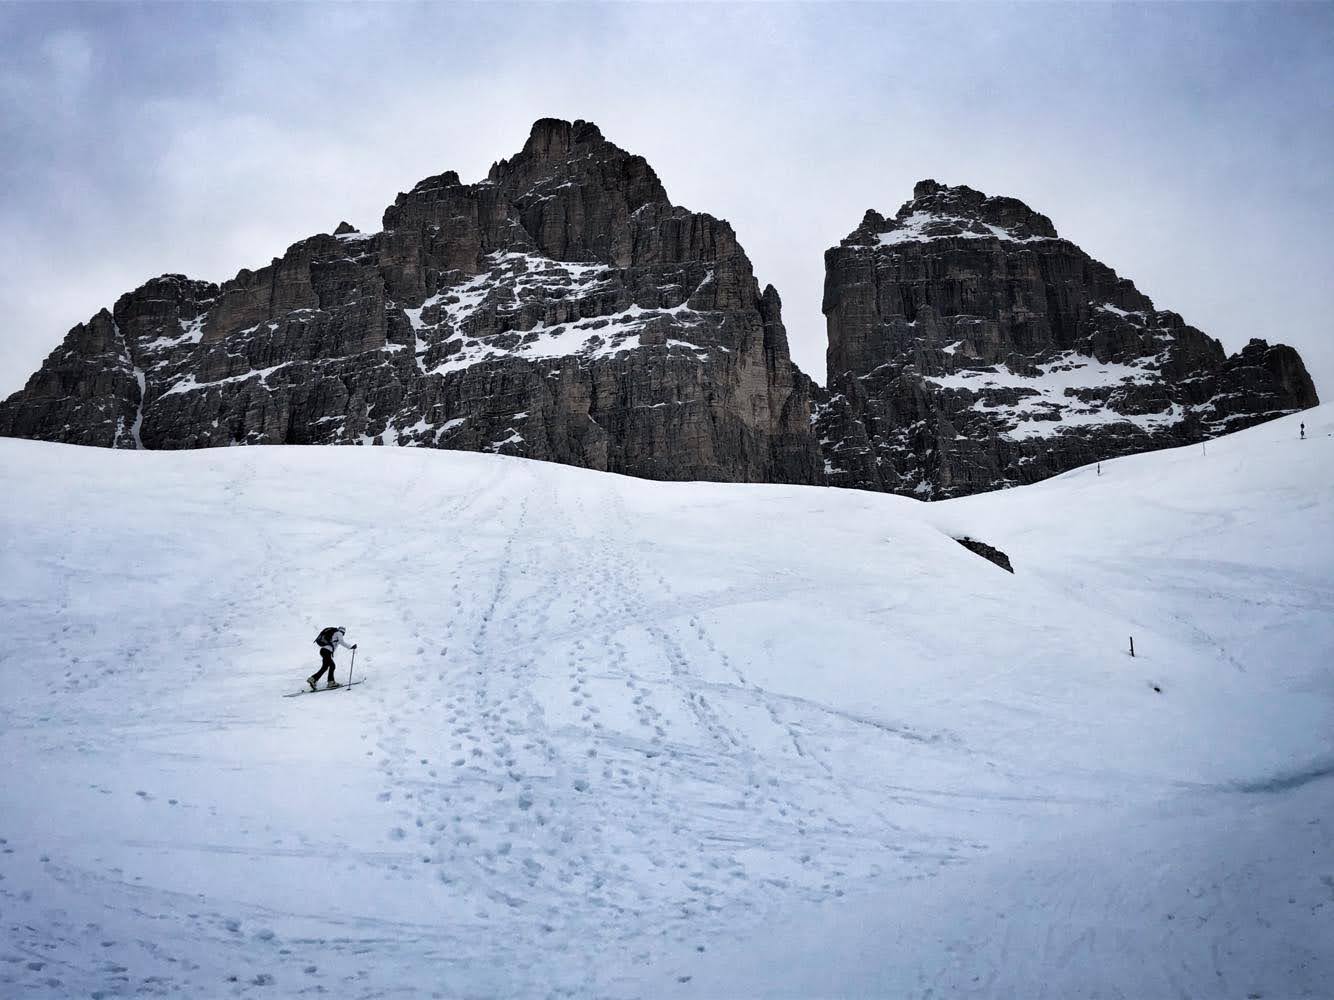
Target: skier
328,640
1303,431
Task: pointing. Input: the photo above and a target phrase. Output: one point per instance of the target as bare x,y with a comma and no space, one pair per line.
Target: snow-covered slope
633,739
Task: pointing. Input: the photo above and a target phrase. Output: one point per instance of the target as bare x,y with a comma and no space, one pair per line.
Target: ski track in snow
615,736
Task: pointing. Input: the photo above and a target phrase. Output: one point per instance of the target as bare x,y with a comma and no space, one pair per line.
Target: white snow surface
192,332
632,739
138,424
1126,314
923,227
1047,394
511,274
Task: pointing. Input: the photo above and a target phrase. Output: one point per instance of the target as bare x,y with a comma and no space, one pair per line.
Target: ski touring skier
328,640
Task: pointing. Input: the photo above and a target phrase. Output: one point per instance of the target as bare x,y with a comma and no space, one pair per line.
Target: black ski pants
326,663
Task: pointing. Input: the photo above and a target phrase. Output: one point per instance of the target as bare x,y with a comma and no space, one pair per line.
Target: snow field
636,739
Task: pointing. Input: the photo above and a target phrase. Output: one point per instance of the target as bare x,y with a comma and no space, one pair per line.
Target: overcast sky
1189,147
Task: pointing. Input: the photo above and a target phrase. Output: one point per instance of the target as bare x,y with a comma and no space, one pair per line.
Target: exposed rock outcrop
971,348
988,552
562,309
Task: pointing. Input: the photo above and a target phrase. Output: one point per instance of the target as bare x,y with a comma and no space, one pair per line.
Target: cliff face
562,309
971,348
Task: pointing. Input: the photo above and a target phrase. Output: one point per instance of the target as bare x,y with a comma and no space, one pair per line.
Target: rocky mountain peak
926,188
561,155
554,138
561,309
939,211
970,348
436,182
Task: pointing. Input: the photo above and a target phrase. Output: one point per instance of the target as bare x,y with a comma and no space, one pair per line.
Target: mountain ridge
562,308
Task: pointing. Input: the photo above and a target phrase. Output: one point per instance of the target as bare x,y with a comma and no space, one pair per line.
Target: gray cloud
1187,146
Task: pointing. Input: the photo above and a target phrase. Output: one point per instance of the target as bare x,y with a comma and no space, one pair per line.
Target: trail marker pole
1132,645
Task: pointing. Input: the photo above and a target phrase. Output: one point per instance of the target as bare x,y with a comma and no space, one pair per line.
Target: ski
323,689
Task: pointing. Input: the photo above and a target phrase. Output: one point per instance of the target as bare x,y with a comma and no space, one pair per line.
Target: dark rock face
987,552
562,309
971,348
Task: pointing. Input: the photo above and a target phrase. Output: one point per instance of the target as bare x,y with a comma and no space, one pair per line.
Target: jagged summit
938,211
555,138
569,194
560,309
971,348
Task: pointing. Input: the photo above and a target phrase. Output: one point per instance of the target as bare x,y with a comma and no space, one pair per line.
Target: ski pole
351,663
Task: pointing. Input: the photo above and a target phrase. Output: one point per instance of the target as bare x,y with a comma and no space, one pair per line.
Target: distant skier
328,640
1303,437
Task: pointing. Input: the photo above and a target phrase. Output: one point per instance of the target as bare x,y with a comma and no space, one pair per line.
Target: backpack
325,638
